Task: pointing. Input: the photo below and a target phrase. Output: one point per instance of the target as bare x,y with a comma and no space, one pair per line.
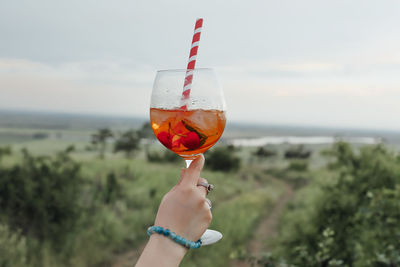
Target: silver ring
209,187
209,203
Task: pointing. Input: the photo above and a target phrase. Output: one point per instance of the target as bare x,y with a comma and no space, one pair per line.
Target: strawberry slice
165,139
191,141
176,141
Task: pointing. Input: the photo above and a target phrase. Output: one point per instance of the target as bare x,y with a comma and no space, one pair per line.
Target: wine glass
188,127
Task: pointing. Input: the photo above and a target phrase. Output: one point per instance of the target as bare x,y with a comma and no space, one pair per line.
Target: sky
307,63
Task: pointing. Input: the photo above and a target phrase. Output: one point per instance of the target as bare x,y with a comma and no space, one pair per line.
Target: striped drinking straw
192,62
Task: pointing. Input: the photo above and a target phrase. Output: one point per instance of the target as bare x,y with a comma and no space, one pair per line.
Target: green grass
236,218
240,200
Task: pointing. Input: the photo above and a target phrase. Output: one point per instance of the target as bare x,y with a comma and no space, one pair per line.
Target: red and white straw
191,64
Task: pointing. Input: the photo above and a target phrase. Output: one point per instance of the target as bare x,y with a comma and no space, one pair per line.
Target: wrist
173,236
167,247
161,251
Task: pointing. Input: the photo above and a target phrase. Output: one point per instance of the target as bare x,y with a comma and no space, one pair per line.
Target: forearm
161,251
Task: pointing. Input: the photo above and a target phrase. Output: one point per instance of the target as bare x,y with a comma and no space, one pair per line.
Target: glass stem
188,161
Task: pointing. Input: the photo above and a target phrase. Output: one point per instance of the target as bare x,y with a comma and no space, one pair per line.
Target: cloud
312,78
91,87
321,94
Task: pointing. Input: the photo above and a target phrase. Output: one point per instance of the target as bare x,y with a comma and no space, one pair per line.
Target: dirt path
267,228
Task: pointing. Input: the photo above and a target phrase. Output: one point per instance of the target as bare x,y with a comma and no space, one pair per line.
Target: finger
192,174
182,175
202,188
209,203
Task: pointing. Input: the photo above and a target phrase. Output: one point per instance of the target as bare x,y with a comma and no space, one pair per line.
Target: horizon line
253,124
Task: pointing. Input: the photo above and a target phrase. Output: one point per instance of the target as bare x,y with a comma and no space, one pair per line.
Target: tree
99,140
128,142
222,159
264,152
146,131
298,152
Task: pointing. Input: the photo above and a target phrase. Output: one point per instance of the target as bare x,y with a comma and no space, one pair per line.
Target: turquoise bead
167,232
173,236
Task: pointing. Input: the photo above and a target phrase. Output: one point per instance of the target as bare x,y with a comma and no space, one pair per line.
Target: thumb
183,170
192,174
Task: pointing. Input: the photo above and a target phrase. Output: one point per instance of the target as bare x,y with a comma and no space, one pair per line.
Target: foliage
4,151
236,219
99,140
40,135
112,189
295,172
166,156
222,159
263,152
117,199
146,131
12,248
297,152
127,142
349,221
298,165
39,196
346,215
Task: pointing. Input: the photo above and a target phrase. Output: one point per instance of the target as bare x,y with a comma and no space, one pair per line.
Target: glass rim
184,70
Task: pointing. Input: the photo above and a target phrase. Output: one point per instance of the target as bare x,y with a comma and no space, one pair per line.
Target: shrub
4,151
40,136
222,159
352,220
297,152
264,152
12,248
166,156
146,131
112,188
99,140
40,196
298,165
128,142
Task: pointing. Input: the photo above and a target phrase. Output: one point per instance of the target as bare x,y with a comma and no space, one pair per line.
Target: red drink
187,133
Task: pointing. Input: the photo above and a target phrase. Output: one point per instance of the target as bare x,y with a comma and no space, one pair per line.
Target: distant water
307,140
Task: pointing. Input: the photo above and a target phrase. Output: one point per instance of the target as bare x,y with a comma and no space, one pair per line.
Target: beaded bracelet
173,236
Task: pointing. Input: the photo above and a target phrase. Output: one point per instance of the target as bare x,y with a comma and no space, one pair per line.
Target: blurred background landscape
307,172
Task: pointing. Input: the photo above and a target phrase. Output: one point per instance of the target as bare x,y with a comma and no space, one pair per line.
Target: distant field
74,123
61,121
116,232
240,200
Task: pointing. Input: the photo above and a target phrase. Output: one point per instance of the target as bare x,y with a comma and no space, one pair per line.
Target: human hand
184,209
